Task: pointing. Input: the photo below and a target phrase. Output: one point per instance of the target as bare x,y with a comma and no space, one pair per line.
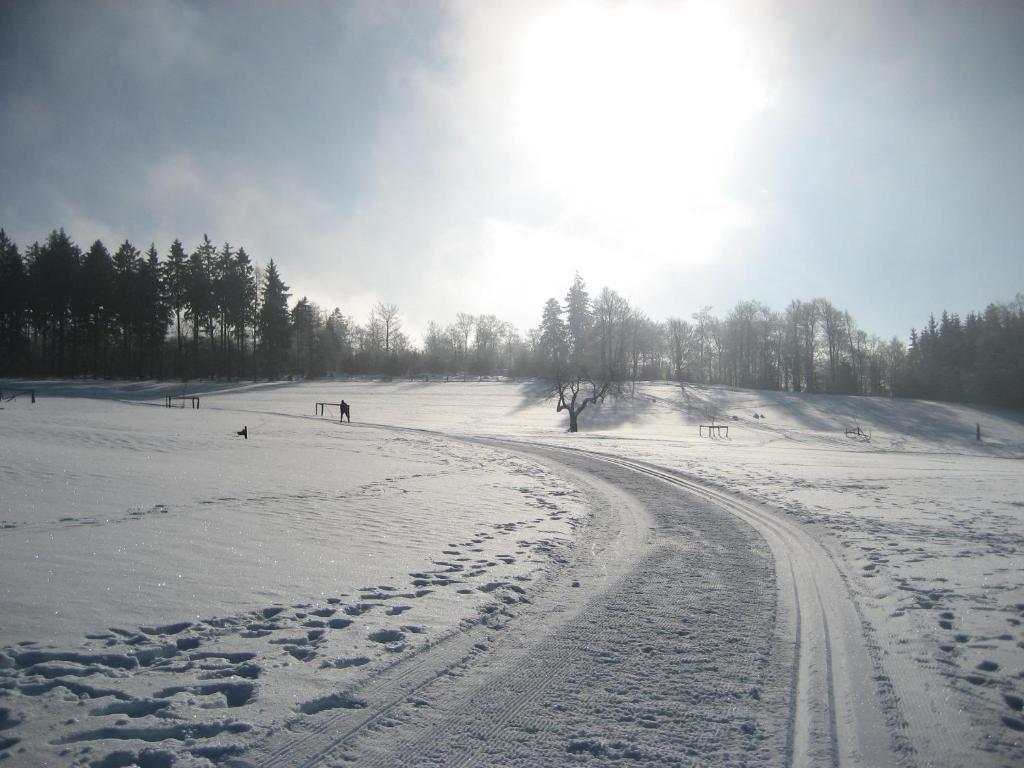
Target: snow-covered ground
175,594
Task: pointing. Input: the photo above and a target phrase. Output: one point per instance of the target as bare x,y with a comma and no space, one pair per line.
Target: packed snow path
688,627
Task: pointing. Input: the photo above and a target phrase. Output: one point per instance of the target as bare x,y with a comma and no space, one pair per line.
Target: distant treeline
214,313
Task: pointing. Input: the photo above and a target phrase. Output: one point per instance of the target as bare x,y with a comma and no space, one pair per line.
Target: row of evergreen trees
68,313
979,359
214,313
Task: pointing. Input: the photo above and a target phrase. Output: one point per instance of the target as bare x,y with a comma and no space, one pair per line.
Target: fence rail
194,399
11,394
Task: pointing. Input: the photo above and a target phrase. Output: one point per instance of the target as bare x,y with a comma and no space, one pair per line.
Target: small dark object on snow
244,432
858,433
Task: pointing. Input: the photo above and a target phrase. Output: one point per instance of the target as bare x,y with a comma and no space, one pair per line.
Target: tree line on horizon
214,313
590,347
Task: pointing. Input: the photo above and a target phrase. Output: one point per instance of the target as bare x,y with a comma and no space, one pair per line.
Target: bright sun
633,115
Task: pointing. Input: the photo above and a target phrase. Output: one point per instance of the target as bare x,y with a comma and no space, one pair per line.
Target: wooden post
978,431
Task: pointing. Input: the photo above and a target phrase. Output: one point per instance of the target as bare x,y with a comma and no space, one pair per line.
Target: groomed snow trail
608,546
687,628
844,709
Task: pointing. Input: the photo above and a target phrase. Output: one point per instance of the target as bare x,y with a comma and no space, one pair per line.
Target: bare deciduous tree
387,316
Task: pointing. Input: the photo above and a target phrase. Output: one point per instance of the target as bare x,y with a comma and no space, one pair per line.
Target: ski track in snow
707,678
671,658
841,703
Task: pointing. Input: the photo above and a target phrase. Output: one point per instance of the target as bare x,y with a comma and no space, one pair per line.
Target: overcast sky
472,156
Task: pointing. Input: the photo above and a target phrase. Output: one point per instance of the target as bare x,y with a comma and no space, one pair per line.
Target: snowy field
452,579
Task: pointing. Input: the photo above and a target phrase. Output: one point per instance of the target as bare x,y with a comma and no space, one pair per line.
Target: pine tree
175,281
126,300
274,322
197,303
241,300
96,286
224,286
13,307
306,323
337,347
153,313
55,272
206,255
578,318
553,340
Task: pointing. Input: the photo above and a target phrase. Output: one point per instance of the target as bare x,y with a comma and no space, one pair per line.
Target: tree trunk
181,341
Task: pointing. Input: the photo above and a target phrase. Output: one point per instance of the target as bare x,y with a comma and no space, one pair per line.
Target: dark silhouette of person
345,413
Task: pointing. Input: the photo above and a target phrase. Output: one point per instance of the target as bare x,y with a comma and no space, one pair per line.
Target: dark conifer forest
212,312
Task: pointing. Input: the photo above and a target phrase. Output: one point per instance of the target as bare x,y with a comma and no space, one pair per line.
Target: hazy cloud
469,156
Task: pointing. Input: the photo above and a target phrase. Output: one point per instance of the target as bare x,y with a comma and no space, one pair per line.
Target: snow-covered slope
174,593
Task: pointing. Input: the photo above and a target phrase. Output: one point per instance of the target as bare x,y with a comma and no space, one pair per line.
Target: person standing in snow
345,412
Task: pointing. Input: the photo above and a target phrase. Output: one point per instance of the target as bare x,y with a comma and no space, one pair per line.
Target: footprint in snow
1014,723
332,701
359,609
344,663
385,636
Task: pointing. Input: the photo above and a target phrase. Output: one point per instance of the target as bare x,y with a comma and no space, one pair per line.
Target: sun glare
633,116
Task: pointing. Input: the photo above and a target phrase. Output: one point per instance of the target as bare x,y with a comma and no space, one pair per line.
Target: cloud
472,157
484,185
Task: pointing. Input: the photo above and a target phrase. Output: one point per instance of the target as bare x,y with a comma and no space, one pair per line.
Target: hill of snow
172,588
